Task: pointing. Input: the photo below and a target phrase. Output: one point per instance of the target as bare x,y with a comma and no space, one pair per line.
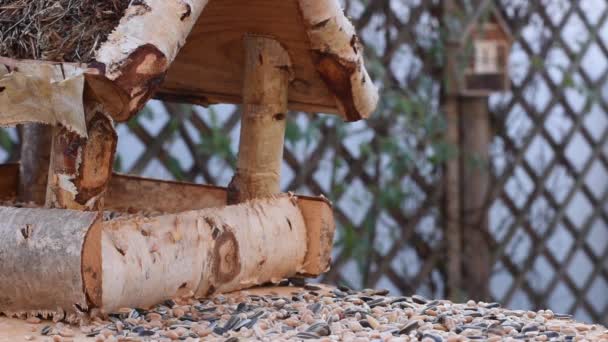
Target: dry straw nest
57,30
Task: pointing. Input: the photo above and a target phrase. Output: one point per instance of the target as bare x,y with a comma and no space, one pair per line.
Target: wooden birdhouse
270,56
482,51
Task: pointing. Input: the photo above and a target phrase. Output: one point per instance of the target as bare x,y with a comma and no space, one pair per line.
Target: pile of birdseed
321,313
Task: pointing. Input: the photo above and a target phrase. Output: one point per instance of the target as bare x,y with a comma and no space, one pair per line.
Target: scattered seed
311,287
46,330
409,326
146,333
419,299
296,281
321,329
344,288
338,314
382,292
307,336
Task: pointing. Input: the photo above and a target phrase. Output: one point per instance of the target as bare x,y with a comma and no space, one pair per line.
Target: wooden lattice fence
548,204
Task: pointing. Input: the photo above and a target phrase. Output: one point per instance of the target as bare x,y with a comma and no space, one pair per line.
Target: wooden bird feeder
482,52
109,241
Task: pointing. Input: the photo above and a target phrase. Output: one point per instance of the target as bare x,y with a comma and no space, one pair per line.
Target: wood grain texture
320,227
268,70
9,181
209,68
131,194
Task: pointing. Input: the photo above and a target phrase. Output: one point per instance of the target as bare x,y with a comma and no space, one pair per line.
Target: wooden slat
132,194
9,181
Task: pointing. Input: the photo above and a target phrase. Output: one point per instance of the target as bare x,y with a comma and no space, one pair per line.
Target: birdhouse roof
487,9
192,51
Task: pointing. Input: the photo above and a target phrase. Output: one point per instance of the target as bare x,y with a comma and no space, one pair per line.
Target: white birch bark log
139,51
55,261
338,57
40,261
200,252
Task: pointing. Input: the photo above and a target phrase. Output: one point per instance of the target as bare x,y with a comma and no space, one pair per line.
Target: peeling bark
255,242
81,168
268,71
338,57
42,93
139,51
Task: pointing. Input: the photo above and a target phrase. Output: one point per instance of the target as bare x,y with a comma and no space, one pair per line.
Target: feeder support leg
266,80
35,158
80,167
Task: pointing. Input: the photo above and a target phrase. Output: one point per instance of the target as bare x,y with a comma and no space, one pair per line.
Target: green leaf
118,163
293,134
173,165
5,141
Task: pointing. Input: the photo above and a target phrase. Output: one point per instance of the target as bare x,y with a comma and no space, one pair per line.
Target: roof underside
209,68
143,57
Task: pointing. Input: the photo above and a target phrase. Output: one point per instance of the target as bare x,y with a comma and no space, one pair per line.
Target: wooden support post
453,222
452,205
35,159
476,137
267,76
80,167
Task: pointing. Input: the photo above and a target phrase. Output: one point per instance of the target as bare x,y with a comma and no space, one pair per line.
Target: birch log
200,252
81,168
40,261
139,51
338,57
267,76
138,262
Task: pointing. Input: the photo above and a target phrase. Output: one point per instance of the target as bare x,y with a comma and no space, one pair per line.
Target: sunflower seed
312,287
296,281
419,299
307,336
46,330
409,326
321,329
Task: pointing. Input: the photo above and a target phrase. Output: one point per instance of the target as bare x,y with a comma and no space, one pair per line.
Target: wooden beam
35,161
138,261
267,76
132,194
